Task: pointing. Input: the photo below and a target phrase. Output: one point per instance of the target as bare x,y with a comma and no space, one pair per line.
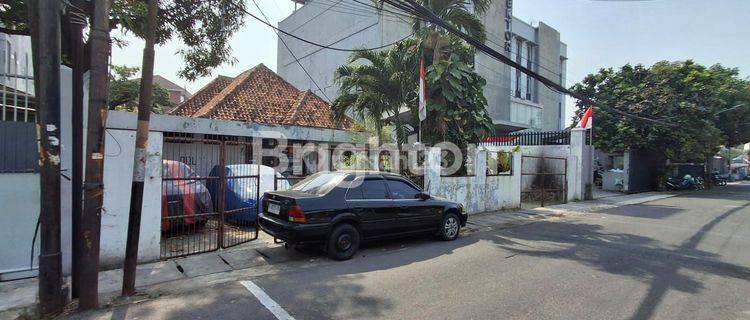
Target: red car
185,200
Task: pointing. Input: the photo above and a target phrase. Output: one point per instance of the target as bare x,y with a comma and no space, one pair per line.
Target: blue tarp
241,193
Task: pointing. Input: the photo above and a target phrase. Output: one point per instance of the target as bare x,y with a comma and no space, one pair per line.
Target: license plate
273,208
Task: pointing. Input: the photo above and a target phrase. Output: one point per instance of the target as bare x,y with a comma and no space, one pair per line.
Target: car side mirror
423,196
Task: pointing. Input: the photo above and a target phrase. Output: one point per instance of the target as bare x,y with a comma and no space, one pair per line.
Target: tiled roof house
259,95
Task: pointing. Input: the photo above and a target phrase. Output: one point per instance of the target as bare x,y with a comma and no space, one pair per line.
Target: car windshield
319,183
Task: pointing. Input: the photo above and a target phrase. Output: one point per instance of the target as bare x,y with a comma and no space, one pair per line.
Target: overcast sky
599,33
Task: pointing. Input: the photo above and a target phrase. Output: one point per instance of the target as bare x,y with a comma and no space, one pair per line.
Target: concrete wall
478,192
316,22
497,74
19,194
569,166
166,123
118,176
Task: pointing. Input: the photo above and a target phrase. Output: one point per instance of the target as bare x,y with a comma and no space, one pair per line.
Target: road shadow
638,257
650,211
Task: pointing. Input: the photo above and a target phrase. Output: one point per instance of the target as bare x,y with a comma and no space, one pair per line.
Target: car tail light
296,214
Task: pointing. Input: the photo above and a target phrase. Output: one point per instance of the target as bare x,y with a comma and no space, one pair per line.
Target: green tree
381,85
124,89
461,14
691,97
378,85
204,27
456,106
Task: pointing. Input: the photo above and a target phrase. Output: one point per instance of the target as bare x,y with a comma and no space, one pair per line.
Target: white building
16,79
514,100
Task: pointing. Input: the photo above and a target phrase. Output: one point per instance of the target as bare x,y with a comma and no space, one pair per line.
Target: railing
17,99
532,138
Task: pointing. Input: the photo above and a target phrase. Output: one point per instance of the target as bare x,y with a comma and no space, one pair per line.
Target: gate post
222,190
432,170
584,173
480,179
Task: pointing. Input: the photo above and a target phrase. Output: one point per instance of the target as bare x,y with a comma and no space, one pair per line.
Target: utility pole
145,101
77,59
44,21
93,187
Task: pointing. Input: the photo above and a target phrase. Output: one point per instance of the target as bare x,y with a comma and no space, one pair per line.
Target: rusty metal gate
209,194
544,180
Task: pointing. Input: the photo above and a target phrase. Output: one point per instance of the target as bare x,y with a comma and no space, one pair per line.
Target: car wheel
450,227
343,242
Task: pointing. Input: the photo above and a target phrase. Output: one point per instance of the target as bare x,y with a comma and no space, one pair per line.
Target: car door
414,214
368,198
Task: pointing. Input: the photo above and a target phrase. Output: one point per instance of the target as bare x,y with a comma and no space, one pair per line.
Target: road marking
264,299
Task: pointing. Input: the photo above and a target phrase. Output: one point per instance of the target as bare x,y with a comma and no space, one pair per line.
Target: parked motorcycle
718,179
686,183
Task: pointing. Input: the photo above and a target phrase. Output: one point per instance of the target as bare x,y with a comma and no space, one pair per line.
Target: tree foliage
377,84
14,16
124,89
203,26
692,97
381,85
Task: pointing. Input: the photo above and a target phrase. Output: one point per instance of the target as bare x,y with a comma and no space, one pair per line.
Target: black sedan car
341,209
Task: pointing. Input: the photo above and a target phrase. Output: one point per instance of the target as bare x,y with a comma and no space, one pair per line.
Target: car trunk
284,200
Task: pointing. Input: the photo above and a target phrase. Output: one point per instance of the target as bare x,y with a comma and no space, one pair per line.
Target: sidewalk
607,200
16,297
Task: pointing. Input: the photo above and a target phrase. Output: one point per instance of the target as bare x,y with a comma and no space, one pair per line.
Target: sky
599,34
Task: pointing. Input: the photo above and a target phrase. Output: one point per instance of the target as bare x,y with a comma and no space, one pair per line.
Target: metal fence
209,195
531,138
544,180
17,98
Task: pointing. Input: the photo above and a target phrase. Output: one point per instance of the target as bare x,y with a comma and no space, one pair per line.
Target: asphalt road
686,257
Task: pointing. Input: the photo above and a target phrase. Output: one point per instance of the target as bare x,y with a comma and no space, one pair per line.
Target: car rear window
319,183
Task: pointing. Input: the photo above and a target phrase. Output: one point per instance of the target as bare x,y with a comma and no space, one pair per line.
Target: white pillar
584,173
480,179
432,170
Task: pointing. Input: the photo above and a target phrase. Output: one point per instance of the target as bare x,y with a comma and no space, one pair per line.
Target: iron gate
209,195
544,180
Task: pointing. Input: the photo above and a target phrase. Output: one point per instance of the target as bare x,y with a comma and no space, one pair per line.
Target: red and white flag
422,91
587,120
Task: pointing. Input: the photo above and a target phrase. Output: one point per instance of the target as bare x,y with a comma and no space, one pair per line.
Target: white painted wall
19,194
118,174
477,193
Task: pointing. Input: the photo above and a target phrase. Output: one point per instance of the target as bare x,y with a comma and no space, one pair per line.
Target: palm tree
461,14
377,85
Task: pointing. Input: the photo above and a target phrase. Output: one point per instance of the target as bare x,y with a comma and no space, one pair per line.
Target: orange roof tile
260,95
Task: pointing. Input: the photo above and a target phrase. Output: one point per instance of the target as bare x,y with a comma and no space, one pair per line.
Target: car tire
450,227
343,242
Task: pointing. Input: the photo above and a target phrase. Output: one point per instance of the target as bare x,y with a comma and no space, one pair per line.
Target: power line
412,7
359,7
292,53
311,42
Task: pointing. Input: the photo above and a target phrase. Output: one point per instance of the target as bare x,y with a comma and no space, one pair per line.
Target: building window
530,82
519,46
513,71
6,60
